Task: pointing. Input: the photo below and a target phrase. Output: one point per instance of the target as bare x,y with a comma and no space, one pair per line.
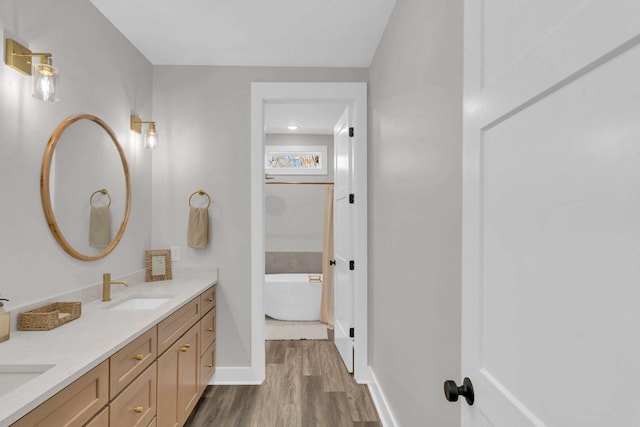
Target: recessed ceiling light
292,127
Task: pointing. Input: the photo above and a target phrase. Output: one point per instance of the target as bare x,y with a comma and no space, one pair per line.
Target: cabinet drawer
207,366
136,405
100,420
76,404
171,328
129,362
208,299
208,329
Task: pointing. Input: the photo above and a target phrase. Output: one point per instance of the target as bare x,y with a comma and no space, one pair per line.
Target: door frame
355,96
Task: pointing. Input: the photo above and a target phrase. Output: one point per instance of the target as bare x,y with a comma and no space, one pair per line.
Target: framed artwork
157,265
295,160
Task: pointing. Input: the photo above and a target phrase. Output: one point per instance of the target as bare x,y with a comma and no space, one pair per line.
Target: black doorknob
332,262
452,391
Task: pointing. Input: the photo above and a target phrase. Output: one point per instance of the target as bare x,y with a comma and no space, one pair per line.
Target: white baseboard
382,406
236,376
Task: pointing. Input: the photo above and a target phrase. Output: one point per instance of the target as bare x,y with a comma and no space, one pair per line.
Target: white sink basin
140,303
13,376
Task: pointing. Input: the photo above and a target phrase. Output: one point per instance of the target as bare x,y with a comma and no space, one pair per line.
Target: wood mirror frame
46,195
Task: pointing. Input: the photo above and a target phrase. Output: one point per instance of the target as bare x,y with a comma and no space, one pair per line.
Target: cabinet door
178,379
74,405
168,388
188,372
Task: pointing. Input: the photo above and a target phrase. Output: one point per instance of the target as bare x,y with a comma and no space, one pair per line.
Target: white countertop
80,345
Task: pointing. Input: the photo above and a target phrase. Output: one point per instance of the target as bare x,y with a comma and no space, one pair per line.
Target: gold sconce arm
136,123
19,57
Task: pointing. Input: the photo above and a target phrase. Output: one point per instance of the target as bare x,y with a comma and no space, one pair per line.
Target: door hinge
352,332
352,265
352,132
352,198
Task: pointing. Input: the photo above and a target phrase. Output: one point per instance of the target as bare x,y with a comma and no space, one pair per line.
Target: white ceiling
303,33
316,119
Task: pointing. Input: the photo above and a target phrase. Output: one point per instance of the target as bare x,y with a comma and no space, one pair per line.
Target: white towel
198,230
99,227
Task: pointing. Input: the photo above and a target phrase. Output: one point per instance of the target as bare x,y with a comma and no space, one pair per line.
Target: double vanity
142,359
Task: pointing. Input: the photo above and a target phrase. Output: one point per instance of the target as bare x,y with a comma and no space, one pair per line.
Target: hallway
306,385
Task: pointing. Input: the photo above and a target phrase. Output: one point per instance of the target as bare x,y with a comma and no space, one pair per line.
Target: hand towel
99,227
198,231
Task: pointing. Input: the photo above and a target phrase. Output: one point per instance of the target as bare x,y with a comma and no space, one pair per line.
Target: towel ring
202,193
103,191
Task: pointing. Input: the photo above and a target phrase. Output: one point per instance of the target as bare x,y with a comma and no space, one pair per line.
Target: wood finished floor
306,385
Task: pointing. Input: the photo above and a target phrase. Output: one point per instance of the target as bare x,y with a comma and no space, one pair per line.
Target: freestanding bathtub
293,296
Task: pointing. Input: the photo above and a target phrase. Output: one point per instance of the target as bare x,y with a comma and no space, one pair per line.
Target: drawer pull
210,299
139,356
210,329
184,349
138,409
209,366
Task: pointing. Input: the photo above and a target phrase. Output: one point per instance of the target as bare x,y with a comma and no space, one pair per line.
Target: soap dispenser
5,316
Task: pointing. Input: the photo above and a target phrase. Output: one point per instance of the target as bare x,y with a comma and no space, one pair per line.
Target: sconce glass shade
151,137
45,82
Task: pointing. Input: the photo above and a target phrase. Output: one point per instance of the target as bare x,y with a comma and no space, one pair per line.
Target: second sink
140,303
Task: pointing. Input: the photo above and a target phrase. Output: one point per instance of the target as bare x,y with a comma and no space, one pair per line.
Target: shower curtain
326,305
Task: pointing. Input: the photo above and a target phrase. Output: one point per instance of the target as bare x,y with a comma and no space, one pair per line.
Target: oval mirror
85,187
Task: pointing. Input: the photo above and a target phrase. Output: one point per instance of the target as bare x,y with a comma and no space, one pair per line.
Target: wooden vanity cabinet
155,380
181,376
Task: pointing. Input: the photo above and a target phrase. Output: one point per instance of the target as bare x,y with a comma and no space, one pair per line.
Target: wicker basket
49,316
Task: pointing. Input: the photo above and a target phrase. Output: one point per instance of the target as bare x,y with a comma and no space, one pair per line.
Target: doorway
352,95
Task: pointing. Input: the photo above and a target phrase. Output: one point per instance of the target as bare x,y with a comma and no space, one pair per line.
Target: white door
343,241
551,221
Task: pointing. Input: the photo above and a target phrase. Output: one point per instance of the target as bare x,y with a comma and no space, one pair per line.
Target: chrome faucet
106,286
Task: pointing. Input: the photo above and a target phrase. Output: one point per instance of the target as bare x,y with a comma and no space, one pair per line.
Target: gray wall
415,169
101,73
295,213
204,116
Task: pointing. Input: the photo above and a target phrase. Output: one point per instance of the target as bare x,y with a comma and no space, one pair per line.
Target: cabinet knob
187,345
184,349
138,409
210,299
210,329
209,366
139,356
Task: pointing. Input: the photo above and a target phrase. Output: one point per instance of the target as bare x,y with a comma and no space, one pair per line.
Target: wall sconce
45,76
151,137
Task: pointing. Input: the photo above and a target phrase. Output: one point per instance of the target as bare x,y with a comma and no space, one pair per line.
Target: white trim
354,94
382,405
236,376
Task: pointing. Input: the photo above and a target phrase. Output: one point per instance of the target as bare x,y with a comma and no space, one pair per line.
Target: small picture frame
157,265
